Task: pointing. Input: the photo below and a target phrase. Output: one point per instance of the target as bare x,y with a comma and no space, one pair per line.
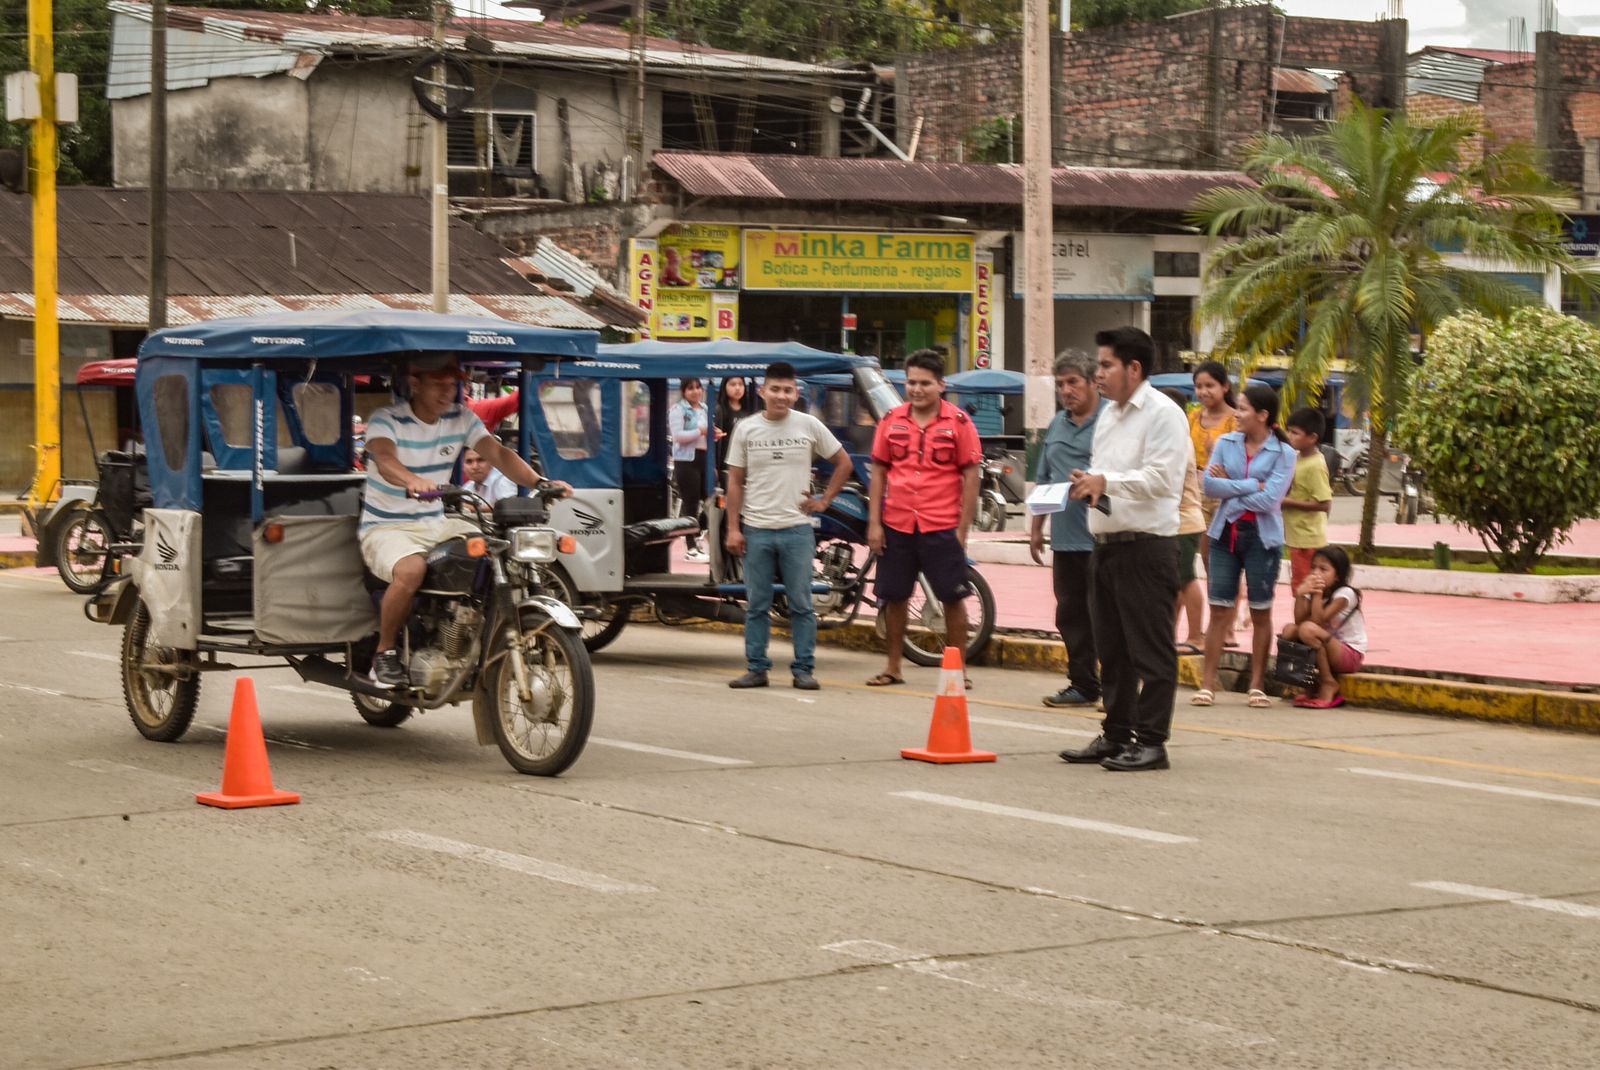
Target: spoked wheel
925,630
81,548
1355,477
160,685
380,712
991,515
598,632
545,733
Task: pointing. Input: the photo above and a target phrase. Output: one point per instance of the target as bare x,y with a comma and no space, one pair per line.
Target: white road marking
97,656
664,679
329,693
1516,899
533,867
667,752
976,975
34,690
274,737
1495,789
1083,823
1026,727
98,765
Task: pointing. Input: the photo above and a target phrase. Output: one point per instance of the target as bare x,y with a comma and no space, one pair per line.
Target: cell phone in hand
1104,505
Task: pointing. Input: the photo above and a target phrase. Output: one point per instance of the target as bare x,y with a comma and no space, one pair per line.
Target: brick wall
1567,67
1507,100
1138,95
1424,109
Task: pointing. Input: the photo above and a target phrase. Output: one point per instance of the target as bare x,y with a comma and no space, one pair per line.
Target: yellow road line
1262,737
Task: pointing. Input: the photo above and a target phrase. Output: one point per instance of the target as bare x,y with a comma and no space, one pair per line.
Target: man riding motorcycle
413,447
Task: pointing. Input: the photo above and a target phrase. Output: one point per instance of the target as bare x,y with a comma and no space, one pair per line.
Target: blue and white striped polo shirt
429,450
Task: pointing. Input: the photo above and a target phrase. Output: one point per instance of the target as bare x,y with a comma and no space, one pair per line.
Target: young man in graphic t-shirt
769,519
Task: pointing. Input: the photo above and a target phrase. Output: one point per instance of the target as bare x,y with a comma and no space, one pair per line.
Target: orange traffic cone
949,738
246,776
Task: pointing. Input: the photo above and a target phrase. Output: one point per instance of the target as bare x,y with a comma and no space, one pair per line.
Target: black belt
1110,537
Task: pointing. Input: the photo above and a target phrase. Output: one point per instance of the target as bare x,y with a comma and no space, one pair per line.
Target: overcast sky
1479,23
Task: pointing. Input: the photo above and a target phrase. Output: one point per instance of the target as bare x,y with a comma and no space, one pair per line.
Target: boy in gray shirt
769,520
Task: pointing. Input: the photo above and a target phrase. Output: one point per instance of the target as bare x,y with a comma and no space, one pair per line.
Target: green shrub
1506,424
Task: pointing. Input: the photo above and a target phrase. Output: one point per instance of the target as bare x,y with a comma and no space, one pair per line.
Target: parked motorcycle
1000,486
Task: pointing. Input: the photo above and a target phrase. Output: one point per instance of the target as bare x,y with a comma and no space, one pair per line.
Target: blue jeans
769,554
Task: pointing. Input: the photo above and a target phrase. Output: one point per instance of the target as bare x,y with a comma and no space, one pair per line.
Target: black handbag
1296,665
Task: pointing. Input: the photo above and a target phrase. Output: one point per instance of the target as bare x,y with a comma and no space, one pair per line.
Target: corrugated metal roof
806,178
129,310
1456,73
243,252
225,243
217,43
1310,83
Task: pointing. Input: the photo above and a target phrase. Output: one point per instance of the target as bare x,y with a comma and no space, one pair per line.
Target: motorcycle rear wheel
379,712
925,646
547,738
81,549
991,515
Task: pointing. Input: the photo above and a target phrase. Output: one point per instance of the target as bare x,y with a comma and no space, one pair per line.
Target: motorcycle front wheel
544,735
991,515
925,631
159,684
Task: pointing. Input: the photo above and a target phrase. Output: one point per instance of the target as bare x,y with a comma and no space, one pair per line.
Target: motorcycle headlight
537,545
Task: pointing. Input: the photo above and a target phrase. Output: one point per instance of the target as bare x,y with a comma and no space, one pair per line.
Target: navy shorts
938,555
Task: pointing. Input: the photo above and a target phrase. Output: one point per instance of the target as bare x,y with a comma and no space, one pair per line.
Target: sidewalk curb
18,559
1535,707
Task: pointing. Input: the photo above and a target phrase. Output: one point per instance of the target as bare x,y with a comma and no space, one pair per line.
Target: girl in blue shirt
1250,472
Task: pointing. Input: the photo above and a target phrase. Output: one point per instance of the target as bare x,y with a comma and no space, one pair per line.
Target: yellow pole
46,330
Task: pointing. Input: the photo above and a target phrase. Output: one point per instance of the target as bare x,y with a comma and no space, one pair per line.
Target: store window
572,412
1177,265
1172,330
172,420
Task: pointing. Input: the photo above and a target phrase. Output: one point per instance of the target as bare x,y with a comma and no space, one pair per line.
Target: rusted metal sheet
1304,83
802,178
129,310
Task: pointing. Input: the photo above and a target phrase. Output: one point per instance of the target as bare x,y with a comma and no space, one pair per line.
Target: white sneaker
695,554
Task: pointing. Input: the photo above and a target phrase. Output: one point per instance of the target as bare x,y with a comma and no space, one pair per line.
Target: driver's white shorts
383,545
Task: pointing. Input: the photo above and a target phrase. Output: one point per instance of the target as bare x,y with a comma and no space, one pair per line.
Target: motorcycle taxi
602,427
251,547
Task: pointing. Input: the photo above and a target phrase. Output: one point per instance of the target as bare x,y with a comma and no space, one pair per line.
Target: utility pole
441,185
46,329
636,126
158,164
1038,296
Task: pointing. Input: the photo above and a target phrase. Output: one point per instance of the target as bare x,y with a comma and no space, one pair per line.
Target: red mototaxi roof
108,372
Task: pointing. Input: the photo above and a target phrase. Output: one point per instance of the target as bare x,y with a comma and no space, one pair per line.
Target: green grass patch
1485,566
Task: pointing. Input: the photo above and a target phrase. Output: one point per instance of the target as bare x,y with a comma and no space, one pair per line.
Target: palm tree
1340,250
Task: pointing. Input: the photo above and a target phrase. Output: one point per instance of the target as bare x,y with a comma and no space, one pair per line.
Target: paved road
755,880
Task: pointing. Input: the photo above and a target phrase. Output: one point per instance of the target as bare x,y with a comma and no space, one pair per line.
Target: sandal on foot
1320,703
883,679
1187,648
1202,697
1258,699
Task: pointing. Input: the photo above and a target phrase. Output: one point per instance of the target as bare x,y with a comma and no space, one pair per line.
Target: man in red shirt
926,462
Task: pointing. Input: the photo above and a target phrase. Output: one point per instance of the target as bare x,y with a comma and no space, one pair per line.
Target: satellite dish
443,86
13,171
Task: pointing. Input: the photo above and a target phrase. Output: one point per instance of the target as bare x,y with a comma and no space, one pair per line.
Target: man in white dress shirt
484,480
1140,459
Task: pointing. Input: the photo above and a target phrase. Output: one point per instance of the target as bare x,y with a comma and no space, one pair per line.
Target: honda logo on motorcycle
167,553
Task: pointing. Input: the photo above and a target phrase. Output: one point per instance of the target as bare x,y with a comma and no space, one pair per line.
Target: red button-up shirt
925,466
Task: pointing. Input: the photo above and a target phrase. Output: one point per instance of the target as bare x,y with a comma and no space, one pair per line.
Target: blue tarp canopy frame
986,381
710,360
363,335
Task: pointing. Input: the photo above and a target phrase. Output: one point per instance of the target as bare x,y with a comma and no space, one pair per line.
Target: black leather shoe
750,679
1101,749
1136,758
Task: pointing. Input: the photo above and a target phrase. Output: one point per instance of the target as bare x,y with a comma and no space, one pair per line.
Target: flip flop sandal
883,679
968,679
1202,697
1188,648
1231,644
1322,704
1259,700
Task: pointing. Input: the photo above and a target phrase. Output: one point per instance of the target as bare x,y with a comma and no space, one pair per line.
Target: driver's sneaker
387,670
694,553
1070,696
